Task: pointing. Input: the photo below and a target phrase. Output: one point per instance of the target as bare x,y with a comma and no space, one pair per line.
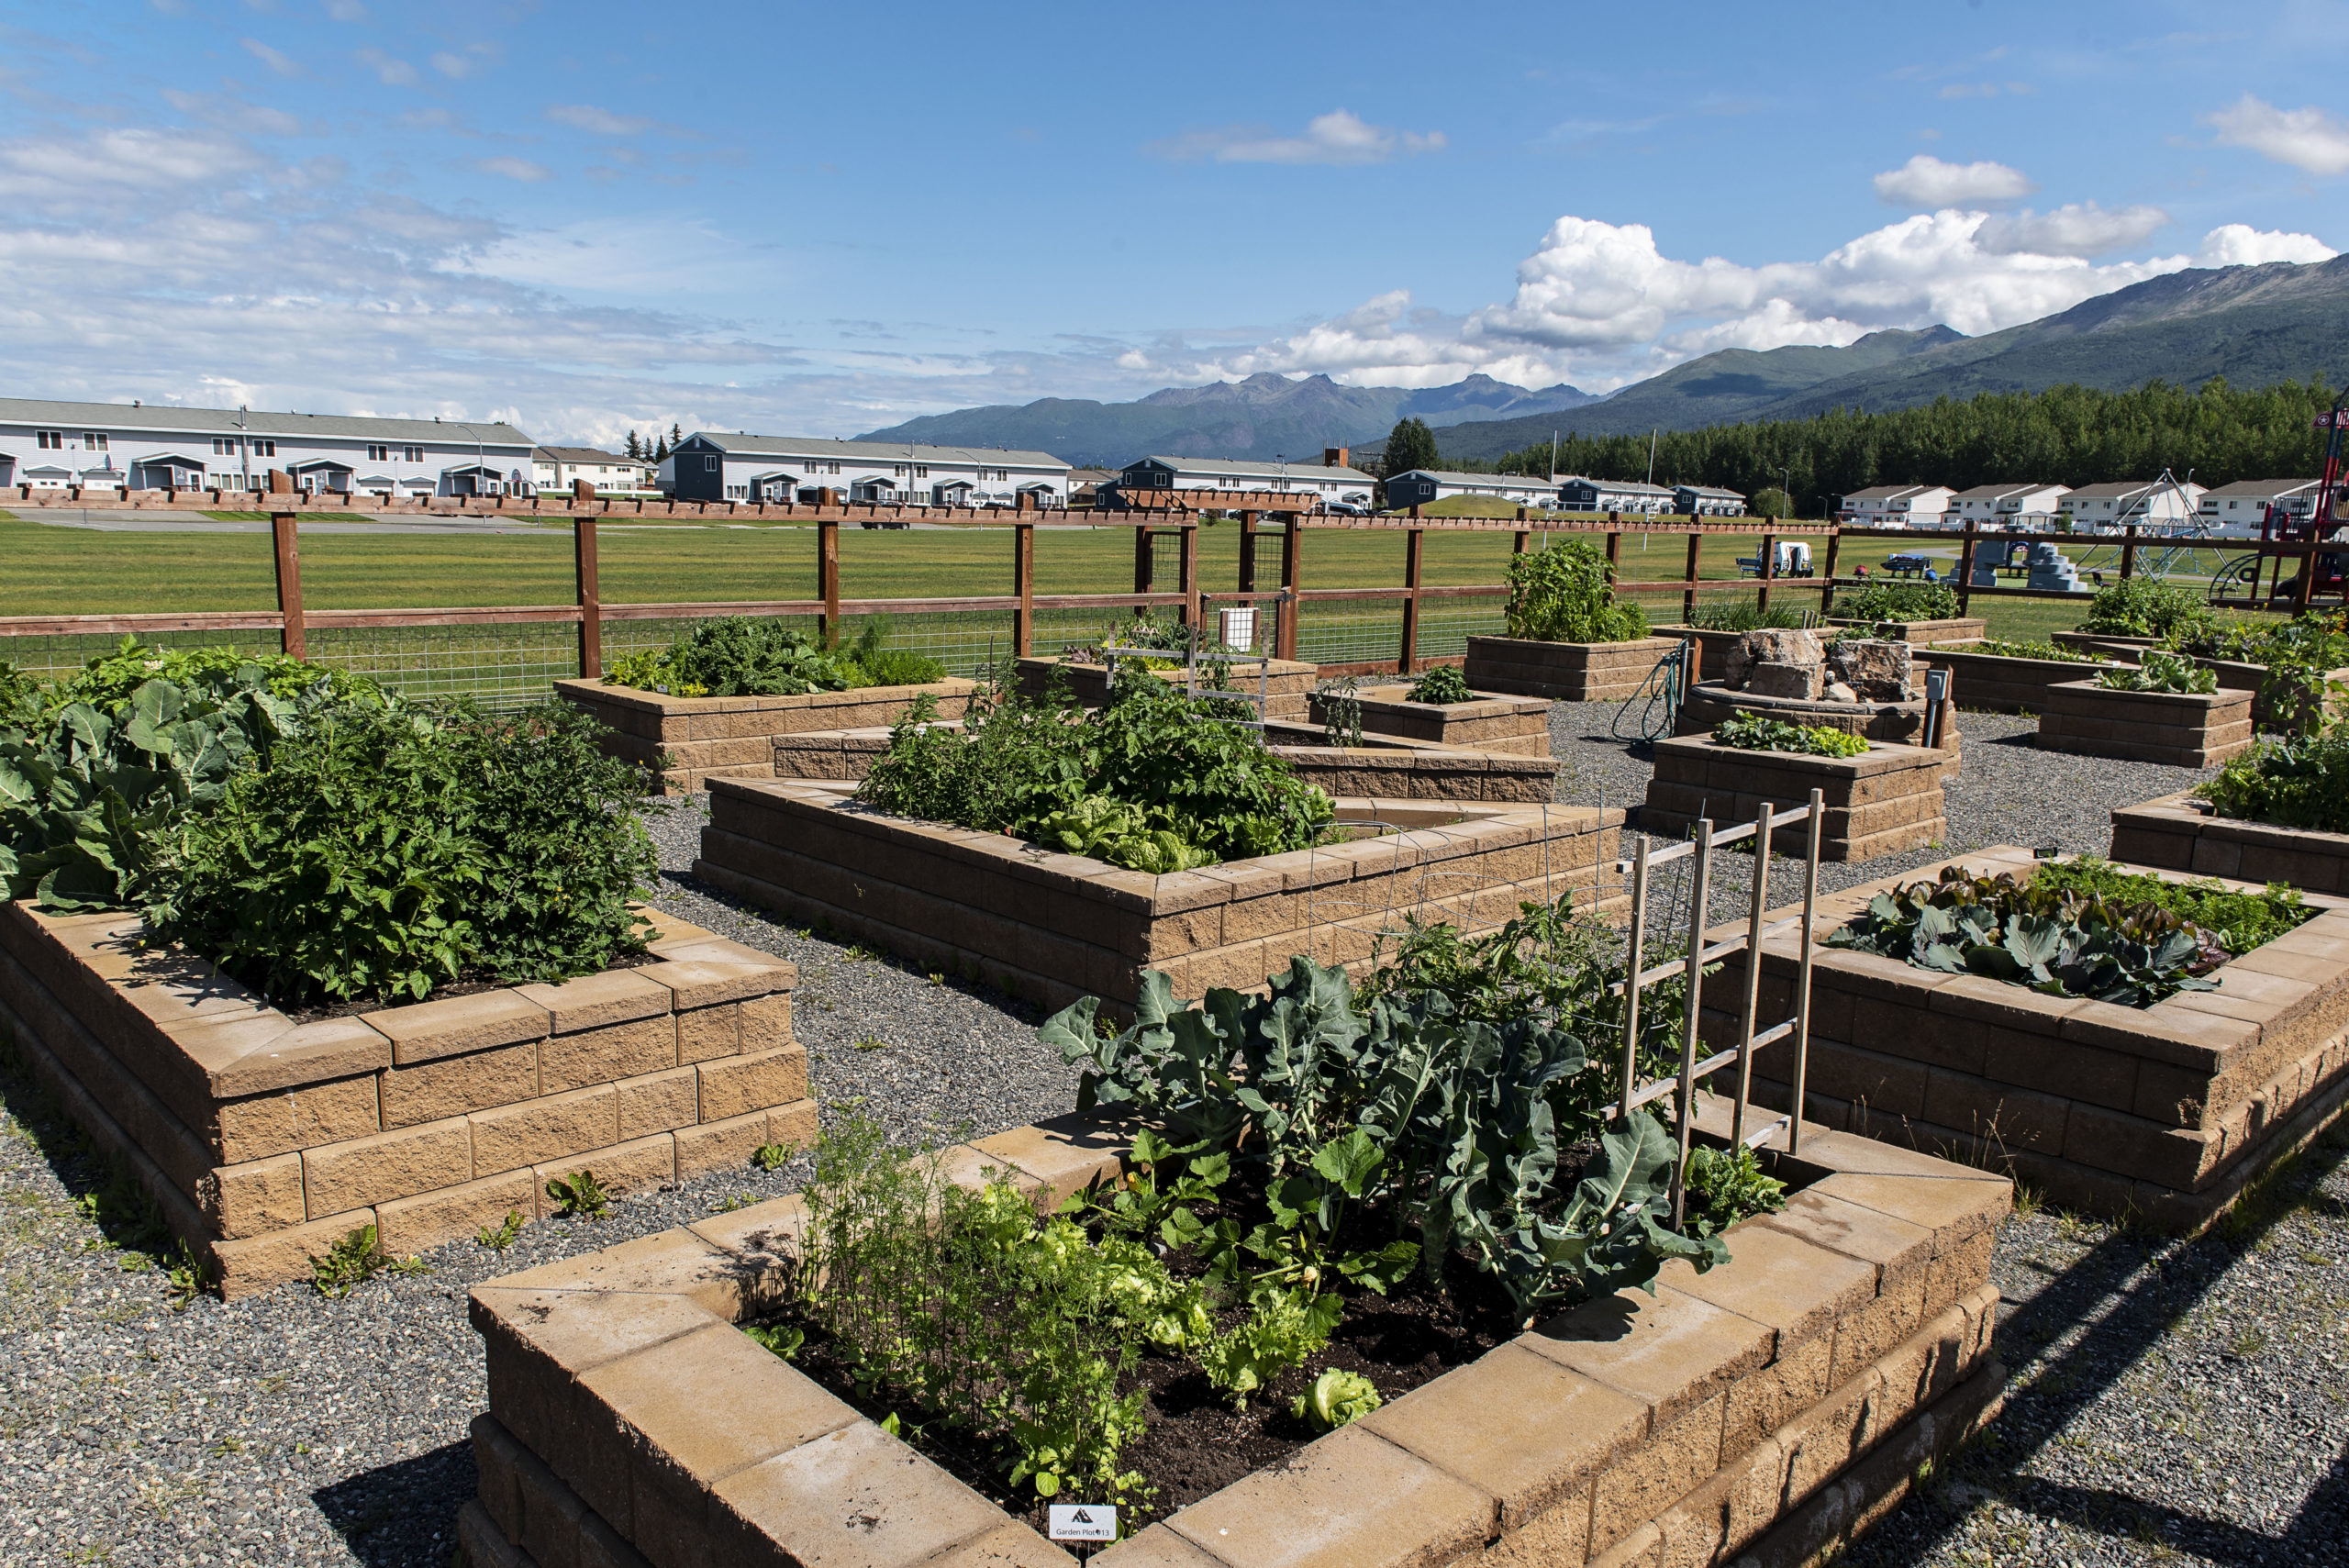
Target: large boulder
1772,645
1771,678
1878,671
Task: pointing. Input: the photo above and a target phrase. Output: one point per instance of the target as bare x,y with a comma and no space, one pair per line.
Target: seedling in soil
872,1042
354,1260
785,1341
498,1238
580,1195
771,1156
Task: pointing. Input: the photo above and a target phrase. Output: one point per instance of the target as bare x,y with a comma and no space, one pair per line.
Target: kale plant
108,683
1566,594
736,656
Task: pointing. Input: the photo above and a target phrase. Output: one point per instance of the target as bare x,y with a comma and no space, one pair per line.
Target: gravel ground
2153,1380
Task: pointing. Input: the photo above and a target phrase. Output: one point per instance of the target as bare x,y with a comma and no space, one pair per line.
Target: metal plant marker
1681,1085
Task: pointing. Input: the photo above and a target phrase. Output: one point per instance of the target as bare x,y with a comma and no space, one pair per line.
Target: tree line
2065,435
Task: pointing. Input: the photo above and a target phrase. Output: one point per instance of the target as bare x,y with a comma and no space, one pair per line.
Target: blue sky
803,219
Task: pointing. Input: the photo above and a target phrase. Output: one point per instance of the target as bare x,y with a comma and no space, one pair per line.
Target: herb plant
2238,922
2145,606
1753,732
1746,615
2158,672
1902,600
1726,1185
1340,700
1566,594
1441,684
2294,783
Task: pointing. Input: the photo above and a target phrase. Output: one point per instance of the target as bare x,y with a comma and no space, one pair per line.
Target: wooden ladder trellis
1699,849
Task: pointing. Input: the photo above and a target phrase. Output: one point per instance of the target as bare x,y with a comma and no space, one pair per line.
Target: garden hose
1662,691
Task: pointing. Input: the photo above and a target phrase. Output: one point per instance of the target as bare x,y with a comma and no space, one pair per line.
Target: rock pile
1779,662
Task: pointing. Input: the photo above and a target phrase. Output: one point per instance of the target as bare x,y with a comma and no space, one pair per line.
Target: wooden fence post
828,580
1023,574
1247,552
1827,573
293,639
1292,607
1765,566
1524,538
1688,595
1413,544
1188,574
1965,567
1142,560
2129,551
590,598
1614,551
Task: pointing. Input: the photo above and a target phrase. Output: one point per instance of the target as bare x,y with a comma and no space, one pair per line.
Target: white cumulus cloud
1339,136
1927,182
2307,139
2075,228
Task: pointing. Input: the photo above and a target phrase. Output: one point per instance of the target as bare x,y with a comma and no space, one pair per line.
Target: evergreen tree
1408,445
676,437
661,450
635,447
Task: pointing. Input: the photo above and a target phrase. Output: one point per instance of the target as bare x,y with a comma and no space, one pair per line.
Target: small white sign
1082,1521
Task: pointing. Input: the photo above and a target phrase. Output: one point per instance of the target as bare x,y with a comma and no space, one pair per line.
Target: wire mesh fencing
1446,625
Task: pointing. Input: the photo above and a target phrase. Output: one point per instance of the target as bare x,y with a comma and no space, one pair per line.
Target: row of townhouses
2163,504
1336,483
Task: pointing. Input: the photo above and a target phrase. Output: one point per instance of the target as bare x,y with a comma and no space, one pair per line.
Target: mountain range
1265,415
2255,325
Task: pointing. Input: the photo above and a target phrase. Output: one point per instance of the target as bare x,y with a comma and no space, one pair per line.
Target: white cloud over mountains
1926,182
2307,139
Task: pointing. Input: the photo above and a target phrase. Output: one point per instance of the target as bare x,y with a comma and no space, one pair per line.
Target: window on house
379,454
709,465
921,471
92,440
264,449
50,440
412,454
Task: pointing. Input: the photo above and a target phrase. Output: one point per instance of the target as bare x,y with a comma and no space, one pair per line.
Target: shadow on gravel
398,1516
2040,1404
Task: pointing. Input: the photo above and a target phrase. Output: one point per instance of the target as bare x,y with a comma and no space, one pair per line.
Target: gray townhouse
719,465
142,446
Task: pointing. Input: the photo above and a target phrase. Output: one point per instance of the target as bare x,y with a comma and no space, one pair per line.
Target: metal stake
1694,976
1752,975
1802,976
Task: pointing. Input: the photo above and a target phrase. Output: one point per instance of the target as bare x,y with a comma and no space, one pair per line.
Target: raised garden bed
1054,927
1388,767
1885,801
2234,674
1894,723
1999,683
2184,729
1287,685
1563,672
2157,1114
265,1140
690,741
2110,643
2180,833
1519,726
1773,1406
1963,629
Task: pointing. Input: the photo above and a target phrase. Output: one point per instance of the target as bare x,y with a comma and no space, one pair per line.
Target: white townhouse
1577,493
2162,504
2009,506
138,446
719,465
1420,486
557,468
1330,480
2243,507
1707,501
1898,506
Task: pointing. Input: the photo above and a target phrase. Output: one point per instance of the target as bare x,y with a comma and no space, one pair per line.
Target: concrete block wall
1287,684
266,1141
1994,682
690,741
1488,722
1765,1412
1883,801
2180,833
1563,672
2182,730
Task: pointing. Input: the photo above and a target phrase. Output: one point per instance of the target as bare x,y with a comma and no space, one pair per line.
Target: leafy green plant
1726,1185
20,697
1753,732
2066,940
2238,922
1746,615
1441,684
735,656
2156,670
2047,653
353,1259
1283,1329
1147,838
781,1340
382,853
108,683
504,1234
871,662
2295,782
2145,606
771,1156
1883,600
2297,658
1566,594
579,1196
1335,1399
1338,698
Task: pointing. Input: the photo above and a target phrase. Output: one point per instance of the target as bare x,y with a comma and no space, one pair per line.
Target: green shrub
1752,732
2300,783
382,853
1746,615
1885,600
2145,606
2158,672
1442,685
1151,761
1566,593
20,697
735,656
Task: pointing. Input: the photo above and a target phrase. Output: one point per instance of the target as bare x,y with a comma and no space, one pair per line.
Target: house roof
584,454
114,417
2001,492
1225,467
1707,490
737,444
2261,489
1894,491
1620,486
1454,476
2125,490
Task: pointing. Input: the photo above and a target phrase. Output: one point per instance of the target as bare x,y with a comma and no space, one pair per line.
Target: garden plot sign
1082,1521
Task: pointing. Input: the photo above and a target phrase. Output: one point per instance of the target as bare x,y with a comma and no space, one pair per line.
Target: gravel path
292,1428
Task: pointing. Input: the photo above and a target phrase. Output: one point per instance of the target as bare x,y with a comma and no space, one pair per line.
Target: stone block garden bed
1563,672
1772,1406
2180,833
266,1141
2184,729
2158,1114
1958,628
1892,723
2000,682
689,740
1056,927
1487,722
1287,686
1887,800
